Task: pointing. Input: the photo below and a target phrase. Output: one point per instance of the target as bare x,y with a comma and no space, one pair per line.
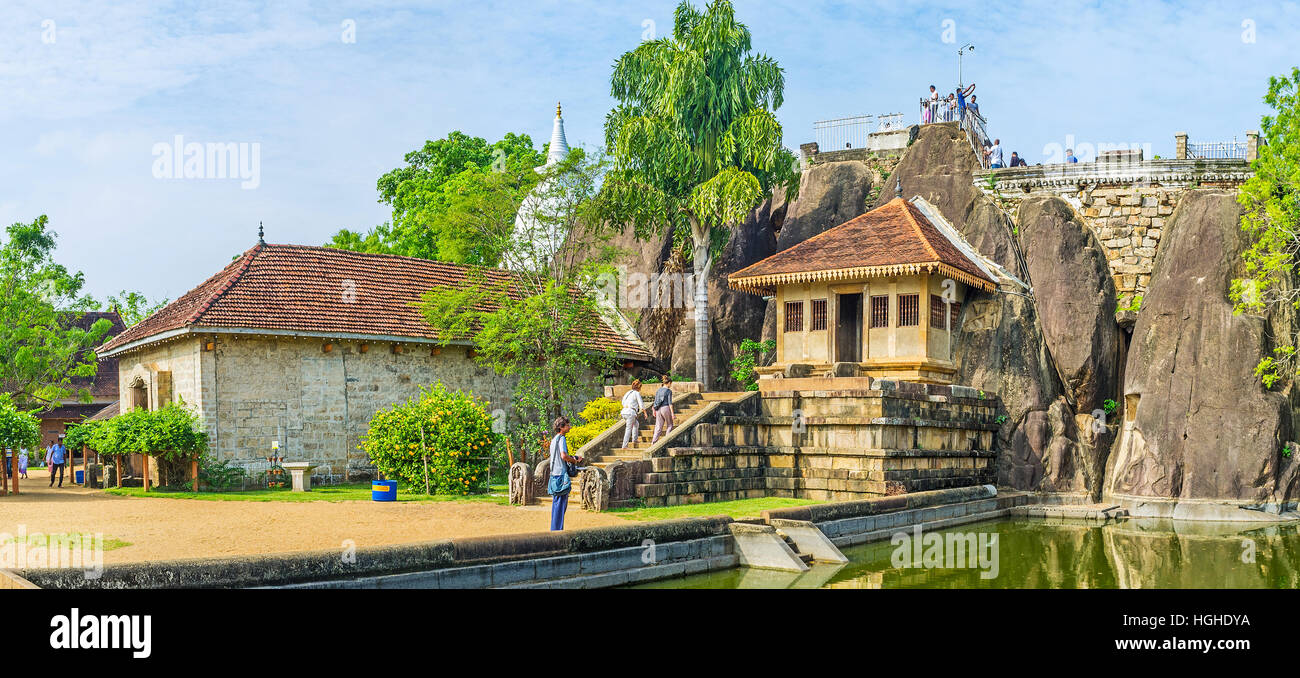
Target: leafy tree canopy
132,306
40,350
440,185
1271,198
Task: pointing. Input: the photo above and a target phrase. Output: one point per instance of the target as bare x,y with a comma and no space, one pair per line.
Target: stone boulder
937,167
1198,427
830,194
1075,299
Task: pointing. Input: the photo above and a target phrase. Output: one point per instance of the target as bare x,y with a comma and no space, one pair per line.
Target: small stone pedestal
301,473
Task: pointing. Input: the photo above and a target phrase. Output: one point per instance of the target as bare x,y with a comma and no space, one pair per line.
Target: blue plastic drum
383,490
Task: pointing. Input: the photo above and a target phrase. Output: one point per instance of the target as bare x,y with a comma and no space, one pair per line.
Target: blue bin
383,490
79,477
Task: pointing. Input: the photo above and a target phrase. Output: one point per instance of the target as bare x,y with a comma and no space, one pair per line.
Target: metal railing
938,110
841,133
853,132
1217,149
974,124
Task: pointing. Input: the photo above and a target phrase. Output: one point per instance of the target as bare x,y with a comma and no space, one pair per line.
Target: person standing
996,160
560,484
22,463
972,106
54,460
663,408
1069,155
632,406
961,101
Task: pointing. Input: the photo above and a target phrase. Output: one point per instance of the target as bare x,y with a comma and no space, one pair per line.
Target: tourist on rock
1017,161
1069,155
932,113
949,108
961,101
560,484
663,409
632,406
972,106
994,153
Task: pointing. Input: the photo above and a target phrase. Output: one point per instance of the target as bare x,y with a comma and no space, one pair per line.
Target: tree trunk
701,265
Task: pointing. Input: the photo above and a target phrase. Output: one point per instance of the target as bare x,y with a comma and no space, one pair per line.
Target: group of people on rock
949,108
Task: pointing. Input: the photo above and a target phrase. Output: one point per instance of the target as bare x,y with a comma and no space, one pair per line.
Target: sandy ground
163,529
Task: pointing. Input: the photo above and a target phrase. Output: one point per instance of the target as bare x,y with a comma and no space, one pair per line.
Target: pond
1032,553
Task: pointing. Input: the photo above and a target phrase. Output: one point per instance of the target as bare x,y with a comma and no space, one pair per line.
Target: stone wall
1126,204
251,390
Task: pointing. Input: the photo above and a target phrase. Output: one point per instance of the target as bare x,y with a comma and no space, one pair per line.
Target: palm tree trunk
701,265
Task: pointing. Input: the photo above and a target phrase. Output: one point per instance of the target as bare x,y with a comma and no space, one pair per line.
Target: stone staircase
685,410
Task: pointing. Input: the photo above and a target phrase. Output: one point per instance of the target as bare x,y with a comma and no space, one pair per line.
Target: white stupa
541,238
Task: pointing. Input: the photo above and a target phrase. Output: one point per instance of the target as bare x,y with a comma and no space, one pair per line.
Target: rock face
1197,424
937,167
1075,298
829,195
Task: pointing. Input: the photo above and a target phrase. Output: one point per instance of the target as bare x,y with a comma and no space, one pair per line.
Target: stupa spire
559,145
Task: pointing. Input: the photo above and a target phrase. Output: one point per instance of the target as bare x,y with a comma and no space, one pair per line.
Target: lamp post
964,48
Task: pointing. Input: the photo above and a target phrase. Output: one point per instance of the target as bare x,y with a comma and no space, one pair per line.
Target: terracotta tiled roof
893,239
80,411
325,290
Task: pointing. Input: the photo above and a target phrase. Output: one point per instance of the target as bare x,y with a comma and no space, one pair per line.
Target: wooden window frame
877,321
909,317
794,316
817,316
937,312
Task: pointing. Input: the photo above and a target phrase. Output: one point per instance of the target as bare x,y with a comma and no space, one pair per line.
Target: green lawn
741,508
110,543
499,494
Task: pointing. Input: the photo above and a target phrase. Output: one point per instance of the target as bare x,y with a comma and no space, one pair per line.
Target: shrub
17,429
458,441
742,366
171,433
598,416
82,434
219,474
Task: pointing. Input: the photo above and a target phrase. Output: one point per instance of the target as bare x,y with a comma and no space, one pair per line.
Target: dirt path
162,529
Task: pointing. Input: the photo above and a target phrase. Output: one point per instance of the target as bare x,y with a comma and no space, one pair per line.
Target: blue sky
88,89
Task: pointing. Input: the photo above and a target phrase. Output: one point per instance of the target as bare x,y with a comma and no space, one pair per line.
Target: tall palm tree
694,140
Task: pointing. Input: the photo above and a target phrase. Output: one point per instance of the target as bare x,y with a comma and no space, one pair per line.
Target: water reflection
1135,553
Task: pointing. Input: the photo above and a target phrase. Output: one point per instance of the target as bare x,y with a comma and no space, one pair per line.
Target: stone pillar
1180,145
1252,145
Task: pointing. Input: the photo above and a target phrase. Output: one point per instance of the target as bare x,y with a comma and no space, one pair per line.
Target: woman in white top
632,406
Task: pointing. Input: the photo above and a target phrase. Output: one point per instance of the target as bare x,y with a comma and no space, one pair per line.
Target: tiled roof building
300,346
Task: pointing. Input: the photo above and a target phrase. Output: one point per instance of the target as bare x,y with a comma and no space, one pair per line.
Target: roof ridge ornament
261,240
898,188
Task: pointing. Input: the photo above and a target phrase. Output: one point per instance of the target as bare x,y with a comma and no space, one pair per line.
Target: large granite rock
937,167
1197,423
1075,298
830,194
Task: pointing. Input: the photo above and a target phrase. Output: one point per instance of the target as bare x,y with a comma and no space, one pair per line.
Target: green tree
539,322
695,140
132,306
441,184
40,352
1271,198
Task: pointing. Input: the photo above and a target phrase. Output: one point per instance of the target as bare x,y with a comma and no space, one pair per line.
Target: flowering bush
17,429
598,416
458,441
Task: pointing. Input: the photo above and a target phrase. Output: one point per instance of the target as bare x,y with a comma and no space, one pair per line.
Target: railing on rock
1217,149
855,131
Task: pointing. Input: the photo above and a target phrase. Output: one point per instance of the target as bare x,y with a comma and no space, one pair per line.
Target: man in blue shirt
1069,155
54,460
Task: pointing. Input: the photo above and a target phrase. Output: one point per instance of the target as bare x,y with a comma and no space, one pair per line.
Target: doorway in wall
848,329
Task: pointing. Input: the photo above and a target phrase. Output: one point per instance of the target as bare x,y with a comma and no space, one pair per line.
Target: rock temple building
879,295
